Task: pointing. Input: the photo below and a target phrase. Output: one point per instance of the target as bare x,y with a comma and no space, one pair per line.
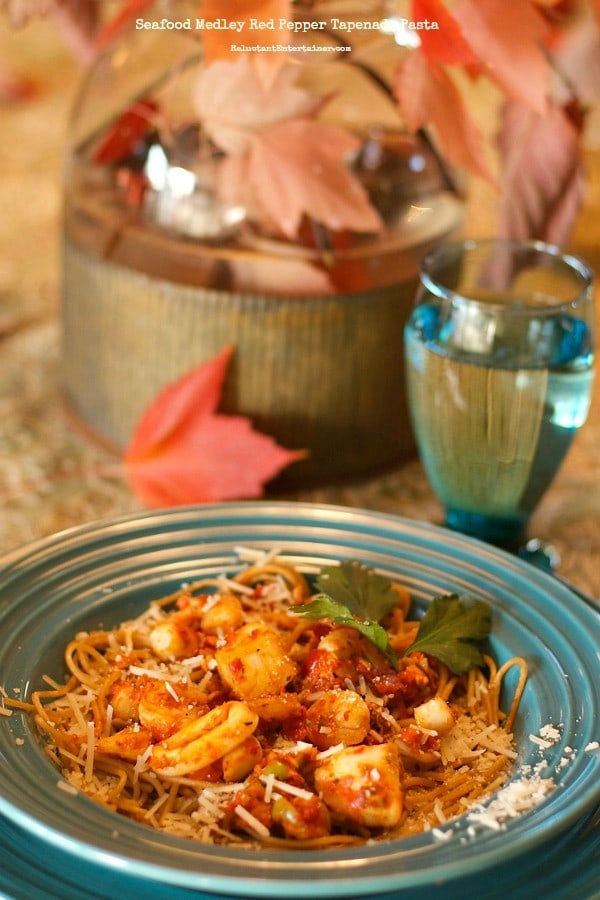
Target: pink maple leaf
182,451
234,102
507,39
301,167
427,97
282,161
542,175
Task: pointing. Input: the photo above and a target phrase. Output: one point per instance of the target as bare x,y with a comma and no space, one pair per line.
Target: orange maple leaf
447,44
507,38
428,97
218,42
182,451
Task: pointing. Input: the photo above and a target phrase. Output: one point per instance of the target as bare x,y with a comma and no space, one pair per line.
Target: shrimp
338,717
155,706
129,743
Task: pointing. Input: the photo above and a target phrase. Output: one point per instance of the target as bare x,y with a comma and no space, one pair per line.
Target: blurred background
52,476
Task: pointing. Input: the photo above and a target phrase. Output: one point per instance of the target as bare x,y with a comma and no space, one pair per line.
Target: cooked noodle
221,716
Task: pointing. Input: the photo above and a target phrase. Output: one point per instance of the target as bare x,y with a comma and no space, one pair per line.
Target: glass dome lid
247,155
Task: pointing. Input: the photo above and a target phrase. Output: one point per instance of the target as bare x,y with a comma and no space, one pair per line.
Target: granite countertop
52,477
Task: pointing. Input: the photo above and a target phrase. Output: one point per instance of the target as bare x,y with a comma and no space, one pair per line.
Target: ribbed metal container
321,373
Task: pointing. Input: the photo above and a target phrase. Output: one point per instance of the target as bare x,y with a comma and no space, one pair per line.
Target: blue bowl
102,573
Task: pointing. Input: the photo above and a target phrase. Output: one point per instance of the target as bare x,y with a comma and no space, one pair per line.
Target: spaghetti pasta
220,715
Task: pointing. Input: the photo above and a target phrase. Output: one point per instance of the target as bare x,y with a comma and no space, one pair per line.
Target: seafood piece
240,761
338,717
363,785
222,616
253,662
174,639
434,714
129,743
205,740
160,708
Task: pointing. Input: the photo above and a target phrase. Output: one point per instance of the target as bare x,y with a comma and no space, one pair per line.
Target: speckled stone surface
52,477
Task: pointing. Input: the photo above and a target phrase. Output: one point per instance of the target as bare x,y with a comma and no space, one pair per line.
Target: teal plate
55,844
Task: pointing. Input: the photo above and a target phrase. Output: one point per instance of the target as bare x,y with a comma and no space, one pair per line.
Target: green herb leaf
450,629
324,607
356,596
367,594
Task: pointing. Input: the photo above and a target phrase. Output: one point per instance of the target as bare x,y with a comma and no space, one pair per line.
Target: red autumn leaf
506,37
125,132
542,177
596,8
445,45
428,97
182,451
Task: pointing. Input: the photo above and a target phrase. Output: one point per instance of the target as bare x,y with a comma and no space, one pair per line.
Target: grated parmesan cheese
512,800
154,673
67,788
90,749
250,820
171,690
268,781
330,751
287,788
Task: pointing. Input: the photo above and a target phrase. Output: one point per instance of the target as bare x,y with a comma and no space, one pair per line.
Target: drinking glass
499,352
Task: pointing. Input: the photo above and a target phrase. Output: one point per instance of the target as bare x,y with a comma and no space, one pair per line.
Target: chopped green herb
323,607
366,593
358,597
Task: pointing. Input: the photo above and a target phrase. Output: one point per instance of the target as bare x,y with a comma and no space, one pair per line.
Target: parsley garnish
358,597
451,629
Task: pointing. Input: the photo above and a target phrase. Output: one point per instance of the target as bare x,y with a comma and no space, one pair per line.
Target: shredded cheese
252,821
67,788
288,788
154,673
